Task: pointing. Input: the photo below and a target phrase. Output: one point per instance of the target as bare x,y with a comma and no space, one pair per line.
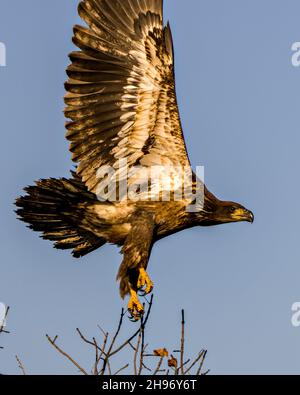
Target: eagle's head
217,212
227,212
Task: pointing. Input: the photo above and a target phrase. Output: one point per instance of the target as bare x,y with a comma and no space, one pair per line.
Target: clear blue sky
239,100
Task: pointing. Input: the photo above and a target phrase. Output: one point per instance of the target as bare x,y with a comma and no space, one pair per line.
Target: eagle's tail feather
52,207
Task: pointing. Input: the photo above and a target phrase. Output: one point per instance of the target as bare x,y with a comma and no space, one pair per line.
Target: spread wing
121,96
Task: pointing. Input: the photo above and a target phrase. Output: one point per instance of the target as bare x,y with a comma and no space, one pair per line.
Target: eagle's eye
232,209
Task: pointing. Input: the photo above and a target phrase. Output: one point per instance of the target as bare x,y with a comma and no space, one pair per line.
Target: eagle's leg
144,282
132,273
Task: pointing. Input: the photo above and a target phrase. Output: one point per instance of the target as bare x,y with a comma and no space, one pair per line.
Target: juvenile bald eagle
123,114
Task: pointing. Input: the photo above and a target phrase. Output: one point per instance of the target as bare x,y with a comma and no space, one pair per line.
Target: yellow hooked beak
241,214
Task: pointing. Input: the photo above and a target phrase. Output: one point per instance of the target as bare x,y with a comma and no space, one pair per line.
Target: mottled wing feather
121,93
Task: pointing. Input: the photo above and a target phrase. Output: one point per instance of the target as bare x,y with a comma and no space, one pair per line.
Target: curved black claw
135,308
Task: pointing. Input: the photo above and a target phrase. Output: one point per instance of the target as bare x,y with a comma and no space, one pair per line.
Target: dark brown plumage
123,113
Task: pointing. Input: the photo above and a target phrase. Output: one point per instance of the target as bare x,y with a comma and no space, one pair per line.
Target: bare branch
201,363
105,352
52,341
120,370
182,343
136,353
195,362
142,346
96,358
103,348
136,333
103,332
20,365
132,346
108,355
92,343
157,370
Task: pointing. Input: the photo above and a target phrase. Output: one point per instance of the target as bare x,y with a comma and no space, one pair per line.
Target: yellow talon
134,306
144,282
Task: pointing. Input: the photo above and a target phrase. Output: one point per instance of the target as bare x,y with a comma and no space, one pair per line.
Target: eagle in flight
123,123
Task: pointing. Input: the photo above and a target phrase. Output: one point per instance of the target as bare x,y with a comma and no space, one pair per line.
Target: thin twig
158,366
201,363
195,362
146,367
108,367
97,347
142,346
117,350
103,349
52,341
185,363
136,352
108,355
103,331
120,370
20,365
182,343
96,358
132,346
89,342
